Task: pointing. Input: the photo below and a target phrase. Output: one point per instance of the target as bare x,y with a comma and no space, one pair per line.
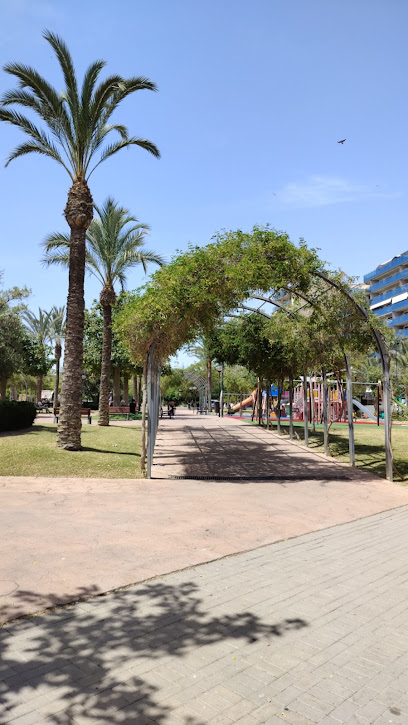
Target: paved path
308,631
63,538
194,445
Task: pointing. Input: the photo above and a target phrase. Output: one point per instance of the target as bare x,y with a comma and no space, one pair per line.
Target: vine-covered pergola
200,287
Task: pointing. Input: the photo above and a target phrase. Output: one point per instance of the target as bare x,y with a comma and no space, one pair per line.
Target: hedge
15,415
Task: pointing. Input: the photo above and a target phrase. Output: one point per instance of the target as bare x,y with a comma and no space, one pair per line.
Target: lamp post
220,369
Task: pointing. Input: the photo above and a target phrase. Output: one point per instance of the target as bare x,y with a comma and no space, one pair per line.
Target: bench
119,410
42,409
84,412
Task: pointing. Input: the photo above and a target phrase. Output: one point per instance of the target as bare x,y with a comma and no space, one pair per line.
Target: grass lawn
111,452
369,445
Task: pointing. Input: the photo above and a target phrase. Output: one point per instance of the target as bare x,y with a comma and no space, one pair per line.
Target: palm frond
56,240
88,85
68,70
115,147
31,147
52,258
79,123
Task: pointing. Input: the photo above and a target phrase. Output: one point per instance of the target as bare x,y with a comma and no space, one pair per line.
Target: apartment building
387,288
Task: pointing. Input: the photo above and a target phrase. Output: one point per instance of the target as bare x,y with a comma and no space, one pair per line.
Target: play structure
337,397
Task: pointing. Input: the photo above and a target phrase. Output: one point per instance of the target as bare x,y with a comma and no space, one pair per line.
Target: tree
57,333
77,124
36,361
114,244
120,359
12,334
40,330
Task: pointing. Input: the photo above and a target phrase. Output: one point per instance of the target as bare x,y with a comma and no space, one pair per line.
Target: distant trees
12,334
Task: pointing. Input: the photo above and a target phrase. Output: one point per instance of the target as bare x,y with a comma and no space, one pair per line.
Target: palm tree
57,333
76,124
114,245
40,328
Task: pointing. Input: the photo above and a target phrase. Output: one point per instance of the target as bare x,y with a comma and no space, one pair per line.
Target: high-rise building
387,288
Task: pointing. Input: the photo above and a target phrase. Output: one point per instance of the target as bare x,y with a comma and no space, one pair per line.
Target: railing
391,293
389,280
396,262
392,308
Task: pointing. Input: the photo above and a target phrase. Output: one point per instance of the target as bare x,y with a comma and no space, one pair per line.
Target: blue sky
253,97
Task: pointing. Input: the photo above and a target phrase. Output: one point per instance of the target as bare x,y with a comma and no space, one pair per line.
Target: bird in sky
342,141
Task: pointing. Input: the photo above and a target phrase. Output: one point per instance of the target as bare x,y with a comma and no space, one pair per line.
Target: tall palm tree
75,127
114,244
40,328
57,334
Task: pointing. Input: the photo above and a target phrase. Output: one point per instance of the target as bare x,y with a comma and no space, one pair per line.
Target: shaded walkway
201,446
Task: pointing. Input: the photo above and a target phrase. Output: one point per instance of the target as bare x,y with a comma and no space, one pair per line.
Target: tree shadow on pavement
121,657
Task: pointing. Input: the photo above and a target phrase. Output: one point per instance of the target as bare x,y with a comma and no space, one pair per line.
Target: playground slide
245,403
364,410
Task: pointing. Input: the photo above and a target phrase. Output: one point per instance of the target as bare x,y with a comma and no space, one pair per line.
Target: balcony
388,295
403,319
396,262
403,305
389,280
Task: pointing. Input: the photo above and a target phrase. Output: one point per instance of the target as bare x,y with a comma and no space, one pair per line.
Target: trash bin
216,407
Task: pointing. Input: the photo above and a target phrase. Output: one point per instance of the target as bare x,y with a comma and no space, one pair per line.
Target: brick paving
310,630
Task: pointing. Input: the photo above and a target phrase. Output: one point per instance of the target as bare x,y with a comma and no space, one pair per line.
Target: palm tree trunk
104,388
57,374
39,388
134,387
116,386
126,388
3,388
78,213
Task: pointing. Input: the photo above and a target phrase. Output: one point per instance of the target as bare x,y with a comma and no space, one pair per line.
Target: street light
220,369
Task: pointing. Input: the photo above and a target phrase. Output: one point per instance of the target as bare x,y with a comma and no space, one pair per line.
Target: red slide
248,401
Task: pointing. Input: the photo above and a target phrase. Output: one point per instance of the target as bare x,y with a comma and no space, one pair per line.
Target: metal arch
250,309
385,362
272,302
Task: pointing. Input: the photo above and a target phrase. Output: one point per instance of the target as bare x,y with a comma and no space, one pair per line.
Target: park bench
119,410
84,412
43,408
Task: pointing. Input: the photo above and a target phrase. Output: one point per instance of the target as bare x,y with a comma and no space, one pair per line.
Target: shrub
15,415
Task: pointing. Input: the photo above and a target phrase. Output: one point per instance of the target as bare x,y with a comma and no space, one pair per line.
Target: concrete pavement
307,631
65,538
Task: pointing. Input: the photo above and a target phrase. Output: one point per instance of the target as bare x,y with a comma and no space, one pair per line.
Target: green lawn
111,452
369,445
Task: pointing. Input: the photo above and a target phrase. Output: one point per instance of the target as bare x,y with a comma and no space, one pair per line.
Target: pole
278,416
378,403
222,392
387,415
268,387
352,452
325,417
312,405
305,410
291,406
260,401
